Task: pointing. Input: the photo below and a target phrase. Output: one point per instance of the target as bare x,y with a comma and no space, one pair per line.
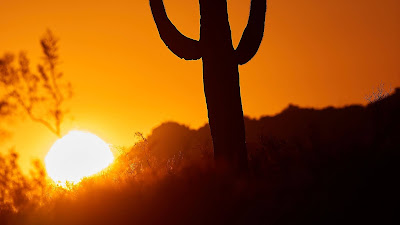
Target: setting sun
77,155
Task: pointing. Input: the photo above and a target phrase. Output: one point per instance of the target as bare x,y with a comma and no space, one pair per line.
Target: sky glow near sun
77,155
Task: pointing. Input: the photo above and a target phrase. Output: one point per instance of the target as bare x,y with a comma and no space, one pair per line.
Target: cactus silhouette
220,70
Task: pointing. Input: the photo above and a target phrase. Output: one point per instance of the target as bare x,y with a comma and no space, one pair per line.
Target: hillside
329,130
307,166
334,165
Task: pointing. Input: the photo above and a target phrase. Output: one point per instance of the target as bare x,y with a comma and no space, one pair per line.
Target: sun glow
77,155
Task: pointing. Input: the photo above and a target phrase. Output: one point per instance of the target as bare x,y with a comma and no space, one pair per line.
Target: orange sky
314,53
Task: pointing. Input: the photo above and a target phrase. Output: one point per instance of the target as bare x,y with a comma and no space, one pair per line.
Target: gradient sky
314,54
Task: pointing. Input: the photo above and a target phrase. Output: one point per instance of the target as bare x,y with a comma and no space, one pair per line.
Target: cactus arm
179,44
253,34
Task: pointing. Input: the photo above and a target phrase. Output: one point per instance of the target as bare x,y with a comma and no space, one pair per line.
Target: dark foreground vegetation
307,166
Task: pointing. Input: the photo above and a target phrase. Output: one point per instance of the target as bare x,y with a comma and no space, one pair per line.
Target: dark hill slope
307,166
333,166
331,131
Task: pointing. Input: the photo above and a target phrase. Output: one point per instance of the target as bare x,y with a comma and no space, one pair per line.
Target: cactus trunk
221,87
220,70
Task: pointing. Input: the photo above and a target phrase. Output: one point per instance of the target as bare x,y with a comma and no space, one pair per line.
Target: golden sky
314,54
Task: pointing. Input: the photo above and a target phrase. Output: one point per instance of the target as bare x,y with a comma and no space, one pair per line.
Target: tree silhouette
220,70
40,96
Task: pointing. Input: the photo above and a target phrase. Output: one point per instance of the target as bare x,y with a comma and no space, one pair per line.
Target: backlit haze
314,54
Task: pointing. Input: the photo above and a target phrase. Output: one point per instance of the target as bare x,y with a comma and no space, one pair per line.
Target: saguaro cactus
220,70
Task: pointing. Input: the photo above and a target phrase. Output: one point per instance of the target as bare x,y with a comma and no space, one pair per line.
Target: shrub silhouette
19,192
379,94
41,95
220,70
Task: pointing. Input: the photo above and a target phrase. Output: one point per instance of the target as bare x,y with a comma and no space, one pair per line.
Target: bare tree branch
40,96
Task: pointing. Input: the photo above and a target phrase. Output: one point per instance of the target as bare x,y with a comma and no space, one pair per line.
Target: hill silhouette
331,131
337,165
307,166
